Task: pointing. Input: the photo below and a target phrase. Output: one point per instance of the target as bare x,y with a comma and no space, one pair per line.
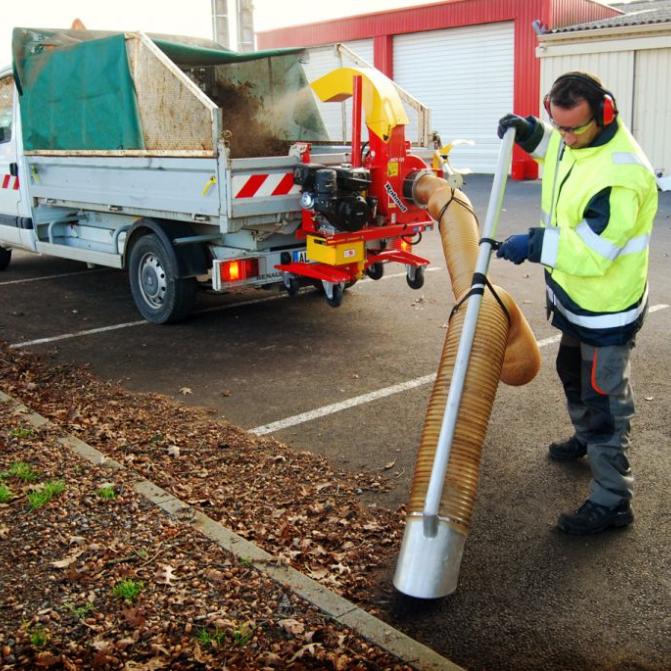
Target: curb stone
338,608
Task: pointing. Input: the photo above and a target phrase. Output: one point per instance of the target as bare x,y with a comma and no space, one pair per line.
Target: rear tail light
240,269
405,246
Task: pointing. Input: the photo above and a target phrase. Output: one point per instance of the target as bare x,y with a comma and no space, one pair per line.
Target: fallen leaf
391,464
168,574
309,648
318,573
46,659
66,561
185,391
173,451
150,665
291,626
134,616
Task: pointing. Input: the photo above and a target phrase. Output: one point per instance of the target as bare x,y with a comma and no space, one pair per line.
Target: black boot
592,518
570,450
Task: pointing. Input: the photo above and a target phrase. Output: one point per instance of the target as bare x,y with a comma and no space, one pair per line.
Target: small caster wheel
333,293
292,285
415,277
375,271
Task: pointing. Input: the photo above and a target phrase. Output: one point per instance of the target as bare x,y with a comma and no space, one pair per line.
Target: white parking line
375,395
53,277
142,322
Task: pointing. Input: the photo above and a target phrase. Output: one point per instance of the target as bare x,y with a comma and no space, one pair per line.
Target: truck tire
5,258
159,294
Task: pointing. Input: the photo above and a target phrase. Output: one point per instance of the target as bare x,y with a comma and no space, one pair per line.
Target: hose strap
478,284
444,208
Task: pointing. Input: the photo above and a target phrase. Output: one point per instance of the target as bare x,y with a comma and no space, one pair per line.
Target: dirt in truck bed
243,118
96,577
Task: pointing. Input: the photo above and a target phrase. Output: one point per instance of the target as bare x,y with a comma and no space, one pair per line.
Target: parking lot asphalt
352,383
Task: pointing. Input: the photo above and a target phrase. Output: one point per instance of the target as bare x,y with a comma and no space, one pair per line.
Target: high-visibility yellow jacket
596,280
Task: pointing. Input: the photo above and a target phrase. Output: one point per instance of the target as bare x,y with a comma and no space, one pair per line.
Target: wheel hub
153,284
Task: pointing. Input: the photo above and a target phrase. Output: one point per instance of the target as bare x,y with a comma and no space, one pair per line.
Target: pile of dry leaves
94,577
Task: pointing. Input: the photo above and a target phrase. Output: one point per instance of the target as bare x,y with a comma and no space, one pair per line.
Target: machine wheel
375,271
5,258
415,277
333,293
292,286
159,294
350,284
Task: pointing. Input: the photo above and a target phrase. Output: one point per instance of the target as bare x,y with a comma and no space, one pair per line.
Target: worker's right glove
515,248
523,127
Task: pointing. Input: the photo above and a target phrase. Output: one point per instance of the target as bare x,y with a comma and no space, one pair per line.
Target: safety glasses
574,130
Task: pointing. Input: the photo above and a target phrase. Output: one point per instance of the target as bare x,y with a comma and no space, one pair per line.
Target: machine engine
337,195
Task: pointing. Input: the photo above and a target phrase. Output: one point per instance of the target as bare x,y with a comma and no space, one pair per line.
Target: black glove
522,126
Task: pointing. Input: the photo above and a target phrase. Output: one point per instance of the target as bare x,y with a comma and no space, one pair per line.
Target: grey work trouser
601,405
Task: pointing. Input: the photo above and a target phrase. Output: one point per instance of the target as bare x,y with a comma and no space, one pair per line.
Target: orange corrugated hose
504,348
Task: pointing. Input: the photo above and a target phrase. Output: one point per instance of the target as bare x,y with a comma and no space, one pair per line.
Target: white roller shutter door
321,61
466,78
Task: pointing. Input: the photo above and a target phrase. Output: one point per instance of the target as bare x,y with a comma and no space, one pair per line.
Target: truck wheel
415,277
375,271
5,257
159,294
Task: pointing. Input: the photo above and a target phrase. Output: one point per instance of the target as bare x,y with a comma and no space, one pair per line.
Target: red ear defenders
606,111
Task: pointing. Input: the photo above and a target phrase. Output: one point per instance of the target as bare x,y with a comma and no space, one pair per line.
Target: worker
598,201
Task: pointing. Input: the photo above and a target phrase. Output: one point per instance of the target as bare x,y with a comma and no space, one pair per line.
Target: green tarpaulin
77,91
190,55
78,96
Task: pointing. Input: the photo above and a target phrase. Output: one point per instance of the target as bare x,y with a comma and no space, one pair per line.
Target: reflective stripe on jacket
596,283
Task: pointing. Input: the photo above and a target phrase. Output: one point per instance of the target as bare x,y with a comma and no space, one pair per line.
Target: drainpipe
220,22
245,24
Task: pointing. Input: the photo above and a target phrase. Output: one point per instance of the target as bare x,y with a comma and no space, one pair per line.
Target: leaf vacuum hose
503,347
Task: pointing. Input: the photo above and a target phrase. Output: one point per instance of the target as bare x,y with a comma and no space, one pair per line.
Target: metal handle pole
446,436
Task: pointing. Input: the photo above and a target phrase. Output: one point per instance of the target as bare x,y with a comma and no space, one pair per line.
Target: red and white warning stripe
264,185
10,182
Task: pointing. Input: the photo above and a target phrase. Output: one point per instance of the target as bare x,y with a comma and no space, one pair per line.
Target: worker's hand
521,125
515,248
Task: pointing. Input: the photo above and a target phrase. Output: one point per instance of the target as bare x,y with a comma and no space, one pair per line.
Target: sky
159,16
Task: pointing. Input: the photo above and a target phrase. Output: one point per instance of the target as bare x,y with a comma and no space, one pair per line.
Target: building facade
469,61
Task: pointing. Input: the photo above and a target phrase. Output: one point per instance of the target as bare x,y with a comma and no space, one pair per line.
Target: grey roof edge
617,31
642,13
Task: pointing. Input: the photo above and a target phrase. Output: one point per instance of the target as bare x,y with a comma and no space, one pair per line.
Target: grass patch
211,639
5,494
38,637
106,492
22,432
243,634
80,612
49,490
22,471
246,562
128,589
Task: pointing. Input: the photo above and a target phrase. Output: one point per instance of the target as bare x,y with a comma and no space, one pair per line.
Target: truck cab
15,216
